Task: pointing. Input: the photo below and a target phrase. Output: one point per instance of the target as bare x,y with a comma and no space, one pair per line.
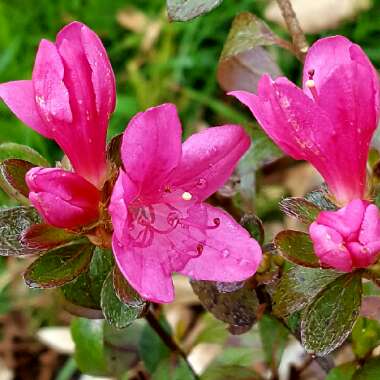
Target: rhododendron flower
348,238
69,99
331,121
161,224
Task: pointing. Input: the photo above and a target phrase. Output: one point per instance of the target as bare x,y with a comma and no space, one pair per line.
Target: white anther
186,196
310,83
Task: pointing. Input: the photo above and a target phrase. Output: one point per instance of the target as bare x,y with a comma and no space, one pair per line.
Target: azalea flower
161,224
69,99
348,238
331,121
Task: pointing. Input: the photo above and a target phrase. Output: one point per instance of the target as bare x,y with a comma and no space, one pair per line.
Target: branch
168,339
297,34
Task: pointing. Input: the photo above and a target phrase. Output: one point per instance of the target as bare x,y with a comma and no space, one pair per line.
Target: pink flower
348,238
70,98
331,121
161,224
63,199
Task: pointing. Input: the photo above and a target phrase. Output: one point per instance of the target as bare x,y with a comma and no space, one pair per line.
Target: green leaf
297,247
126,293
117,313
234,303
229,372
273,338
365,337
12,179
152,350
13,221
300,208
169,370
342,372
254,226
369,371
59,266
244,60
44,236
85,291
185,10
298,287
23,152
328,321
320,198
89,346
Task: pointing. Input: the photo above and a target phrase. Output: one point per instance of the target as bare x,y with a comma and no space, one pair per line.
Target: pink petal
329,247
363,256
64,199
229,253
209,158
151,147
144,270
370,228
20,98
347,220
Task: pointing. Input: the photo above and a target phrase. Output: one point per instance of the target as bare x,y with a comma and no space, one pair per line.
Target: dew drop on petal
225,253
243,262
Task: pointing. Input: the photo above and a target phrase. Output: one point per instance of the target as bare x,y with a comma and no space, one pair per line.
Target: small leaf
328,321
365,337
244,60
369,371
254,226
85,291
185,10
23,152
342,372
234,303
13,221
118,314
89,346
298,287
273,338
44,236
230,372
297,247
59,266
152,350
12,178
320,198
169,370
300,208
126,293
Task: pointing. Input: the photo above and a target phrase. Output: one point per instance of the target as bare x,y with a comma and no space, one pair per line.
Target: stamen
310,84
186,196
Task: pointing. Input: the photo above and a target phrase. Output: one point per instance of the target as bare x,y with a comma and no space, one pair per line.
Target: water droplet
243,262
226,253
80,101
90,141
202,183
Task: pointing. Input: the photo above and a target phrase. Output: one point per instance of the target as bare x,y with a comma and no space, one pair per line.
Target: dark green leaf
273,338
365,337
169,370
320,198
342,372
59,266
23,152
89,346
152,350
244,60
369,371
234,303
328,321
298,287
233,372
297,247
118,314
12,178
300,208
255,227
13,221
184,10
126,293
85,291
44,236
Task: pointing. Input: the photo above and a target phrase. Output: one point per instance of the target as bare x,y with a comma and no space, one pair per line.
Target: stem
297,34
168,339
